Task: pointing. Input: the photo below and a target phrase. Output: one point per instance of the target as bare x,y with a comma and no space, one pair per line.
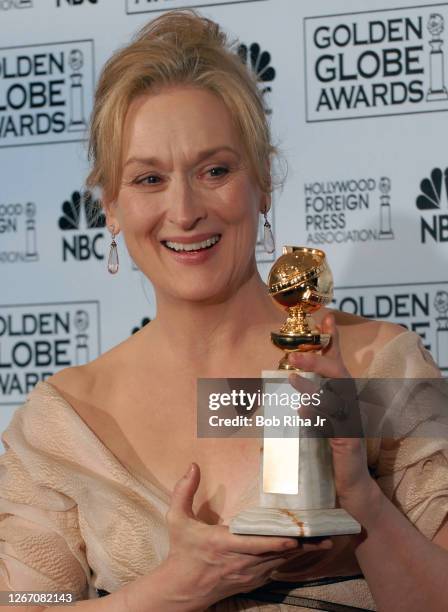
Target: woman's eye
149,180
218,171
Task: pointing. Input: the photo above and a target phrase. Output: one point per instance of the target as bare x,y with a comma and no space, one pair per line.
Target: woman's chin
200,294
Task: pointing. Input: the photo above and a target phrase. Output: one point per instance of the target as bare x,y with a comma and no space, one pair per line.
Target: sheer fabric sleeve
41,547
412,469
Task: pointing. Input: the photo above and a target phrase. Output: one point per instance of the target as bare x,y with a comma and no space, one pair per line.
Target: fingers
302,384
258,545
328,326
329,364
184,492
344,447
266,546
305,545
324,365
262,565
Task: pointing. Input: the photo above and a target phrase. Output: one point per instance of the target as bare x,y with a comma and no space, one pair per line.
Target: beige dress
72,517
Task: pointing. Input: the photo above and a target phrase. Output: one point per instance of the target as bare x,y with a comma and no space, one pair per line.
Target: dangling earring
268,240
112,261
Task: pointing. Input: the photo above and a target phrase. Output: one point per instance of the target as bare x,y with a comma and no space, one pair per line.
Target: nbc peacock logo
432,201
81,213
260,63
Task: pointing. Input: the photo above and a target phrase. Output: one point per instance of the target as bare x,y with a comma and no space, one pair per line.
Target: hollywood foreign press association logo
260,63
46,92
376,63
18,233
348,210
420,307
432,202
81,215
37,340
149,6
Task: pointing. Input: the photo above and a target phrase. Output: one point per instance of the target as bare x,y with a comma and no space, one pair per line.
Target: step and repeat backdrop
356,93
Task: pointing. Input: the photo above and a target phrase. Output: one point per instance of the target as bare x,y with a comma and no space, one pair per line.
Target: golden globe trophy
297,496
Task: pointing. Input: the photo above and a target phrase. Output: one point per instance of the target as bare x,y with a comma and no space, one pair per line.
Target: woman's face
188,205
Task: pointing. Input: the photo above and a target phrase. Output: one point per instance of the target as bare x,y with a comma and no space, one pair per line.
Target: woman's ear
266,202
112,224
267,195
109,208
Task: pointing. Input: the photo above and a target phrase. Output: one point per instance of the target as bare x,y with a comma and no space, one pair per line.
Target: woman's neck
200,332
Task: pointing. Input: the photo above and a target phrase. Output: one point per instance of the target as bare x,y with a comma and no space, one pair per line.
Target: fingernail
189,472
294,379
290,544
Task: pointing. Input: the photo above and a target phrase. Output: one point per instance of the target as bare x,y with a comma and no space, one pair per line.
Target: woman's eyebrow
154,161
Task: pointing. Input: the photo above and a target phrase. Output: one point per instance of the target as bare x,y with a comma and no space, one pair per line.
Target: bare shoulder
366,331
361,339
72,382
93,382
85,389
81,381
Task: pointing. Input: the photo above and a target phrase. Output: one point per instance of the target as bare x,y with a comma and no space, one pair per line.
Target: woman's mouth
192,252
192,246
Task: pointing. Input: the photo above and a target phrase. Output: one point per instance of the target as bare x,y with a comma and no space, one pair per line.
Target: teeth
194,246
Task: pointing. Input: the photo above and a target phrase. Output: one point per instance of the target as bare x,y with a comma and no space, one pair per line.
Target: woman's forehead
187,119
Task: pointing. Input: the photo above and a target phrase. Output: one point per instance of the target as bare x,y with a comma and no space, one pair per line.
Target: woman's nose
185,206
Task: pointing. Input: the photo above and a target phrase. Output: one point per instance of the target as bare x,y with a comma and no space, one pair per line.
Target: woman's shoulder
91,382
371,331
57,408
74,383
48,419
362,339
383,349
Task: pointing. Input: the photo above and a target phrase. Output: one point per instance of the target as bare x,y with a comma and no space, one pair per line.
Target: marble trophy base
294,523
297,493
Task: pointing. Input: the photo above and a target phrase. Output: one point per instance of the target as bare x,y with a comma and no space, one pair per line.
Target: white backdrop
356,91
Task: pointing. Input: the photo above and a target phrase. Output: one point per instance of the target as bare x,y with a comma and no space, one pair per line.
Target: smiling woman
190,215
91,495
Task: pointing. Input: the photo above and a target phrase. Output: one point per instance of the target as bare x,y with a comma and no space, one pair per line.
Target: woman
91,489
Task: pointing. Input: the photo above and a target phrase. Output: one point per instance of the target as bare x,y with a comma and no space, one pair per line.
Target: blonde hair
177,48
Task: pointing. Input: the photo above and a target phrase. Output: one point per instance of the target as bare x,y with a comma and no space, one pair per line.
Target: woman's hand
207,563
357,491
